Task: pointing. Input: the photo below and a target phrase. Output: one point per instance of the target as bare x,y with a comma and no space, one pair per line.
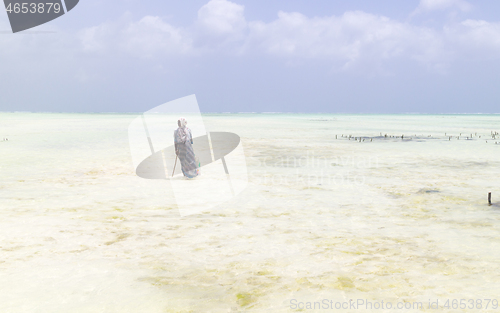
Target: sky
330,56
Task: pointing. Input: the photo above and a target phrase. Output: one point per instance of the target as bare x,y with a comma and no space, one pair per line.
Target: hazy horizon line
338,113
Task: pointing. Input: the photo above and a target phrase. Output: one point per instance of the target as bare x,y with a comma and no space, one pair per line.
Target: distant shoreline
253,113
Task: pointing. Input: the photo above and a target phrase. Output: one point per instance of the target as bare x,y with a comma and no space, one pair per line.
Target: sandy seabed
325,220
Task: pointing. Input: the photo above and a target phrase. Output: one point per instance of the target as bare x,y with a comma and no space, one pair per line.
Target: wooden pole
174,166
489,198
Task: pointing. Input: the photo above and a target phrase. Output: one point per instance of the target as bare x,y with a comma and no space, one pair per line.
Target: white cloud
219,23
147,37
222,17
480,36
354,39
220,27
94,39
350,38
434,5
151,35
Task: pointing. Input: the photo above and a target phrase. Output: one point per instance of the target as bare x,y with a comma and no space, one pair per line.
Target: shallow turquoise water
324,216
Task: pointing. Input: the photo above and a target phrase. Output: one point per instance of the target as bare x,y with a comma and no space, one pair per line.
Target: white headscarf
183,130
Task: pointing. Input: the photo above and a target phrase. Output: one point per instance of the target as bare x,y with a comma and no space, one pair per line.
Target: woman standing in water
183,140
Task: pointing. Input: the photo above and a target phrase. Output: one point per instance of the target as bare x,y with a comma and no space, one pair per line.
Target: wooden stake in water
489,198
174,165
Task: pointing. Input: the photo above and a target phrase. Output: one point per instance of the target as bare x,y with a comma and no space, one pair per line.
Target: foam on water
393,220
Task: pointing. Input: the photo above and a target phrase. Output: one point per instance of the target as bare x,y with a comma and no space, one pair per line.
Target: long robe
186,153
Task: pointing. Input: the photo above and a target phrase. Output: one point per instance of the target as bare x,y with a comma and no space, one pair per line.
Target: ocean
339,210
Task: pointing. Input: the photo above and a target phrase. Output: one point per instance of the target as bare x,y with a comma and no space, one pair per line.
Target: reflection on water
325,216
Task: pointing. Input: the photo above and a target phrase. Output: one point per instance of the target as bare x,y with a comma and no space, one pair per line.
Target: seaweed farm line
494,137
